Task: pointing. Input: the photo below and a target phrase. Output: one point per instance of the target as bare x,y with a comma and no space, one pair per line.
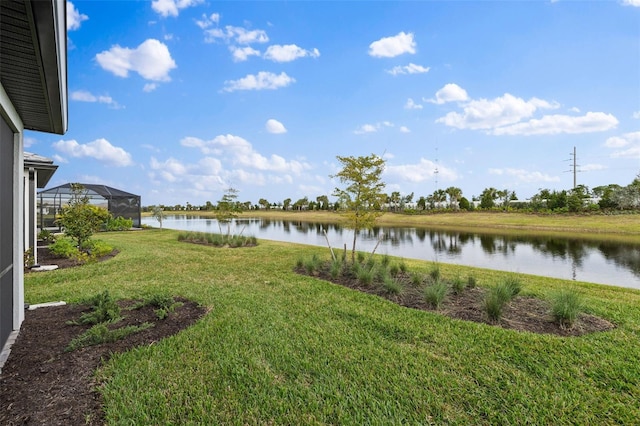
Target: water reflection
593,261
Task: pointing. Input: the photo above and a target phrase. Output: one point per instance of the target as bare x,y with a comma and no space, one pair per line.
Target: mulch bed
41,384
521,313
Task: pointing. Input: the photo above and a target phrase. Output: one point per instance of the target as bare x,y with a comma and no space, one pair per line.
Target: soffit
33,62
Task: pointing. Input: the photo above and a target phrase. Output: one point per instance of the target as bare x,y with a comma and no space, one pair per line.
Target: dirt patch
521,313
41,384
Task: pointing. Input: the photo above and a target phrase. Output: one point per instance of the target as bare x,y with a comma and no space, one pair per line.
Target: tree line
604,198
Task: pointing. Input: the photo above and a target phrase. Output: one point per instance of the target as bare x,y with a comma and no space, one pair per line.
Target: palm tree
454,194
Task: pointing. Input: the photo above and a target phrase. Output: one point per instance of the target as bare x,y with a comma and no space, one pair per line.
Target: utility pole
574,166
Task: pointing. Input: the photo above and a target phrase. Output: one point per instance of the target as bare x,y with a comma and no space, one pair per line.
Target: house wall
11,220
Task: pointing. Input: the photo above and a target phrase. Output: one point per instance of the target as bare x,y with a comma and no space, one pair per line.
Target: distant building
38,171
118,202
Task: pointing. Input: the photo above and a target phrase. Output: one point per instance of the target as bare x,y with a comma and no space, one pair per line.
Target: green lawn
279,348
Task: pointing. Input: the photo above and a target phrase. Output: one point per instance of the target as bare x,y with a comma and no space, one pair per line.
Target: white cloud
59,159
236,34
100,149
372,128
263,80
525,175
557,124
28,141
240,152
85,96
288,53
241,54
404,129
172,7
274,126
408,69
74,17
412,105
636,115
635,3
629,141
208,21
487,114
449,93
591,167
388,47
150,87
151,60
420,172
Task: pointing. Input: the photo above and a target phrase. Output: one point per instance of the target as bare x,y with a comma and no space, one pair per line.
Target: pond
611,263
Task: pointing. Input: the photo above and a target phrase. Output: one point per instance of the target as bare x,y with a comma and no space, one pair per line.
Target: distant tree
464,204
439,197
79,219
301,204
323,201
394,200
264,203
407,199
488,198
363,191
286,204
606,195
422,203
454,194
228,209
158,214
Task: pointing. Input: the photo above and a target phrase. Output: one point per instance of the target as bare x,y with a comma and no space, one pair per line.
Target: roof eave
49,24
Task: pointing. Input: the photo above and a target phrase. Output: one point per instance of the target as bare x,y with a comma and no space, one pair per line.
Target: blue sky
177,100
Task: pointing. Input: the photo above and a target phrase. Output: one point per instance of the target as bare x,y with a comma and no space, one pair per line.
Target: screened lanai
117,202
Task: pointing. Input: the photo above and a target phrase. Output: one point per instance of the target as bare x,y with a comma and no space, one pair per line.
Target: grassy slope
287,349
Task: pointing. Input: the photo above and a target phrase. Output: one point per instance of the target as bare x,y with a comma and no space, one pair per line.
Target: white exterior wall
11,117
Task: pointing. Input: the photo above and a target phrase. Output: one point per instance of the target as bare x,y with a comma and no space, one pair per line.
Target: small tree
363,192
227,209
79,219
158,214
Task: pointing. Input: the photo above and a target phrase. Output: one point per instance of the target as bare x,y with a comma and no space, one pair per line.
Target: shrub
335,269
512,286
365,276
566,306
80,219
434,273
100,333
386,259
360,257
97,248
118,224
471,281
392,286
494,303
312,265
394,269
104,309
64,247
403,266
416,278
29,259
47,236
458,285
499,296
435,293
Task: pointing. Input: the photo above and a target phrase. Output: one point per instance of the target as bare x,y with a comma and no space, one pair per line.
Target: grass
282,348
